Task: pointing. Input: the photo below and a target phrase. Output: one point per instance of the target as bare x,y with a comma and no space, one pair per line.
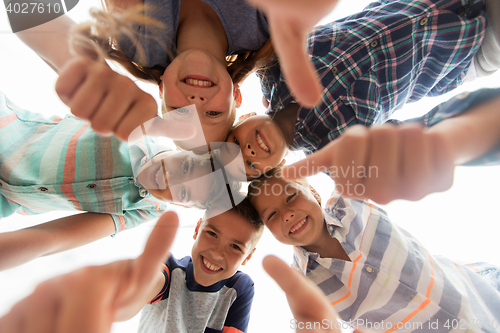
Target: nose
247,150
288,216
196,99
217,252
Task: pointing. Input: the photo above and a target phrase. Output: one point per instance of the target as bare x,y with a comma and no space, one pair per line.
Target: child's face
196,77
176,177
222,244
290,212
262,144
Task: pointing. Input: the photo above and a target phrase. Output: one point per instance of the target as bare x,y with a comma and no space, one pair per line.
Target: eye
213,113
236,247
211,233
185,166
183,193
290,197
251,166
182,111
236,141
271,215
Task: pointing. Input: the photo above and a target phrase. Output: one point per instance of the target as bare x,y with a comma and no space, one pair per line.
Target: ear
237,95
315,194
196,229
160,85
248,257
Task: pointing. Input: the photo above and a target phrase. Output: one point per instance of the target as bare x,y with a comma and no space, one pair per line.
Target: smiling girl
195,51
49,164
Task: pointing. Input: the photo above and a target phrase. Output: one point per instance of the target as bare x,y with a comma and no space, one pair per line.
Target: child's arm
290,22
388,162
20,246
104,294
307,301
50,41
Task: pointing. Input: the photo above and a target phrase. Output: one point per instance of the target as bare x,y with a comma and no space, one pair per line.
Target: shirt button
423,21
374,43
369,269
43,189
334,70
91,185
131,178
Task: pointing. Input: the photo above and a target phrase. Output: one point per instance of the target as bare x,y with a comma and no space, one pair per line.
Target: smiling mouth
198,82
211,267
298,227
261,143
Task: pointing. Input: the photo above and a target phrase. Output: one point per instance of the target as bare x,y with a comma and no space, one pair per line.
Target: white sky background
461,223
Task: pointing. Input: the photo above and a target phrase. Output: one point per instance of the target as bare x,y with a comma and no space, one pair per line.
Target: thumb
157,248
298,70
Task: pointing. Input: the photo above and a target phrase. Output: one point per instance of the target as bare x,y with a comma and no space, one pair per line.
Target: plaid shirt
392,282
373,62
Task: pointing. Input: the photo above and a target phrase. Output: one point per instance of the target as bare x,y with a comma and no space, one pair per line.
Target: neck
200,28
328,247
285,120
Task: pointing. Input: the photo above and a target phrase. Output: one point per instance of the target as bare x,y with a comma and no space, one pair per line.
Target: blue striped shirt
49,164
373,62
392,282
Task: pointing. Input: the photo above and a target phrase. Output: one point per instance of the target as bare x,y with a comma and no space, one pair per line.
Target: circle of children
332,99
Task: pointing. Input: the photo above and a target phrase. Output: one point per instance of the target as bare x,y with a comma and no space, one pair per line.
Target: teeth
262,143
211,266
158,177
298,225
199,83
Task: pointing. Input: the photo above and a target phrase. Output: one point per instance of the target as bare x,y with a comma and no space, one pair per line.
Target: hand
111,102
92,298
290,22
307,302
383,163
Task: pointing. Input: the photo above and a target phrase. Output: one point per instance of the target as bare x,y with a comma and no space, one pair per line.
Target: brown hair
246,210
98,39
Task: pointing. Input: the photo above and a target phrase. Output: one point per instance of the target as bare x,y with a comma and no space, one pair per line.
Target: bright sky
462,223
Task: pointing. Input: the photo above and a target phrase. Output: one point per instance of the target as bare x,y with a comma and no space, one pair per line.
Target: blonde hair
98,39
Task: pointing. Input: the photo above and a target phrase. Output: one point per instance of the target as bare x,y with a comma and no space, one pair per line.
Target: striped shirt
374,62
392,282
49,164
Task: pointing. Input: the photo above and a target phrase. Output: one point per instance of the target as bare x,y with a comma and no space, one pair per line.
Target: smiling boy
374,273
206,292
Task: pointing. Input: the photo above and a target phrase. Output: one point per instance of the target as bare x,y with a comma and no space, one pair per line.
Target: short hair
244,209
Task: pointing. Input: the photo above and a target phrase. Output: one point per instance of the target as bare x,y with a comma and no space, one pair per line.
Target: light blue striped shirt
49,164
392,282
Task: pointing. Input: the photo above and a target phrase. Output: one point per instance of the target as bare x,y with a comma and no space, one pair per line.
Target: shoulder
241,282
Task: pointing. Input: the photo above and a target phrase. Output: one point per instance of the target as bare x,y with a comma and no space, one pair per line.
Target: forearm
50,41
20,246
472,134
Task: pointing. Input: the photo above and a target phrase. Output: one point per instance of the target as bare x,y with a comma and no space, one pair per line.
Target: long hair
98,39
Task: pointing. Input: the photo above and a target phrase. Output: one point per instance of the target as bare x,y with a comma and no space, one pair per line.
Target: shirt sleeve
238,315
132,218
456,106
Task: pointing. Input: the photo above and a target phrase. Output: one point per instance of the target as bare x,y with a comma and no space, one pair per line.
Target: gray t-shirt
246,29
